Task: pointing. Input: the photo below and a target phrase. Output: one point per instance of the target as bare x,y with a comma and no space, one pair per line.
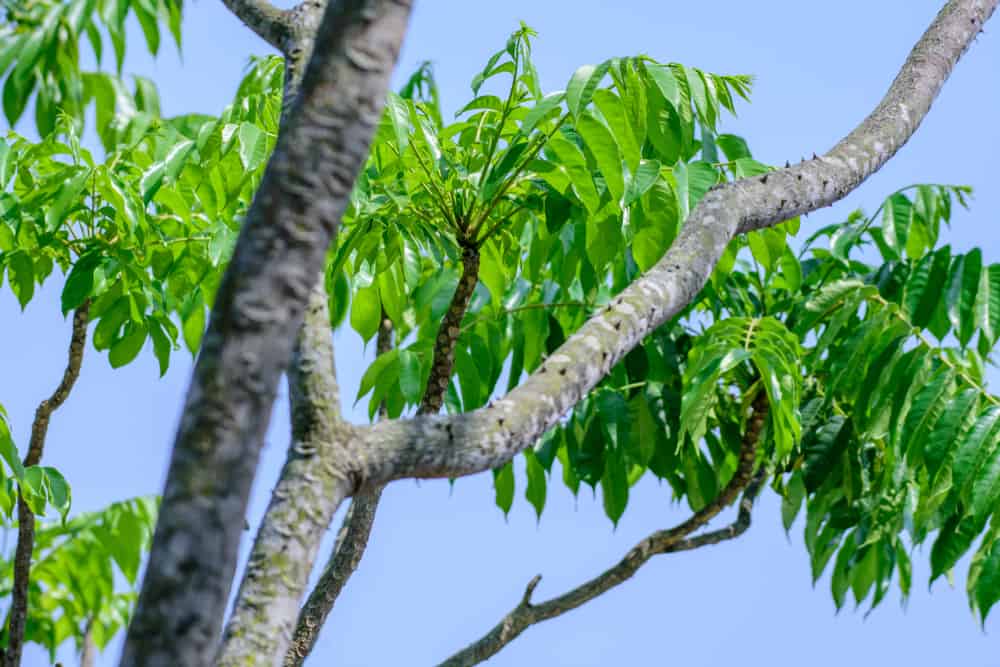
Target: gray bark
301,507
270,23
259,308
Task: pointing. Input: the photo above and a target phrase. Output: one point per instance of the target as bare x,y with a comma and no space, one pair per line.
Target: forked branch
526,613
356,529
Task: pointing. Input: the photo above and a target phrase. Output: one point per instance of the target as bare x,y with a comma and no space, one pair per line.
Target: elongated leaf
988,583
988,302
963,288
583,83
605,150
536,489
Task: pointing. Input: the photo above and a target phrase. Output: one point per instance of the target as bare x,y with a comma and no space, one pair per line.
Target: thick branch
301,506
271,24
347,550
356,529
25,518
526,613
258,311
454,446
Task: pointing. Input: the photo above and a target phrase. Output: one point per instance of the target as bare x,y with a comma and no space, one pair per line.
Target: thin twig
526,613
25,517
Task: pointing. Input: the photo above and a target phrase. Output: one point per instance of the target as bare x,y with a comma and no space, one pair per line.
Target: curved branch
301,505
356,529
25,517
258,311
526,613
486,438
271,24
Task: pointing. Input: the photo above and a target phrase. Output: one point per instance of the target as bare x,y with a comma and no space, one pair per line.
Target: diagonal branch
259,309
526,613
356,529
25,518
465,444
271,24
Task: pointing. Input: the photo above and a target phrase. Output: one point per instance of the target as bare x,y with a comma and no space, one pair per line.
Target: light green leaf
583,83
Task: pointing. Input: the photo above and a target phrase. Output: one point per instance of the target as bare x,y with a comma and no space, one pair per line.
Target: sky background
444,564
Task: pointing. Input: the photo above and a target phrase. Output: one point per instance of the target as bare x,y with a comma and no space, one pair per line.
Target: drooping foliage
870,338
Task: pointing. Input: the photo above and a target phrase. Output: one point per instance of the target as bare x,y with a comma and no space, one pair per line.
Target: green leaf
957,416
641,180
583,83
644,430
571,161
540,111
952,542
253,146
988,302
165,170
366,309
128,346
733,146
614,487
605,150
503,485
927,406
193,325
535,493
68,196
161,345
822,449
80,281
60,495
986,488
8,450
693,181
924,288
665,82
791,501
21,273
988,583
410,376
975,447
612,108
963,288
897,212
387,364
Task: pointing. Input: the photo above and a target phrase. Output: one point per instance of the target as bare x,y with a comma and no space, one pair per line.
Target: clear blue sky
444,564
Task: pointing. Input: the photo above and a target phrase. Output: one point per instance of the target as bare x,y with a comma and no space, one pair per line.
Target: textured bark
447,337
25,518
269,22
259,308
356,529
454,446
526,613
352,539
301,506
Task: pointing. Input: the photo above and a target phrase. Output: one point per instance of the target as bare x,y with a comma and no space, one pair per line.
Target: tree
543,230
